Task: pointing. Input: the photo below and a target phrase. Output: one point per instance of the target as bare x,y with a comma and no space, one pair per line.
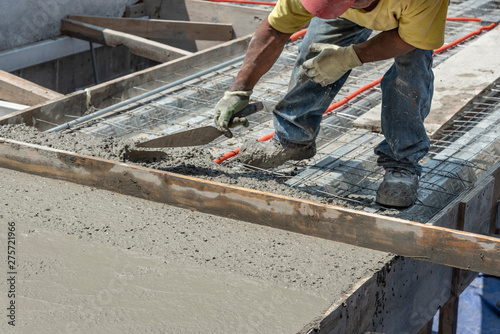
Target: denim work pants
407,89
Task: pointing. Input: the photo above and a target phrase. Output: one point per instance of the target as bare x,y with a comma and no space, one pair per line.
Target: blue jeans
407,89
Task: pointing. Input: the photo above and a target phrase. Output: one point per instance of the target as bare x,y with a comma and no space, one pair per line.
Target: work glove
230,104
331,64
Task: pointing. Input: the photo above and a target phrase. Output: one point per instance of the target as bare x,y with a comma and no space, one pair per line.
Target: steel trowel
197,136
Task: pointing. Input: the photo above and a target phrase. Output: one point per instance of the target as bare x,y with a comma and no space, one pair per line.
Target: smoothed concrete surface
97,262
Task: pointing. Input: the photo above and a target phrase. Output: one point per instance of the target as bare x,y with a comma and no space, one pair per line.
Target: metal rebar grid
345,166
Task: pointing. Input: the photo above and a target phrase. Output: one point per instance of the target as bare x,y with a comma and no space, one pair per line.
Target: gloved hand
331,64
230,104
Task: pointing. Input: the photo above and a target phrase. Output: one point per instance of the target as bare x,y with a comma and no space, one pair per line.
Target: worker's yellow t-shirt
420,23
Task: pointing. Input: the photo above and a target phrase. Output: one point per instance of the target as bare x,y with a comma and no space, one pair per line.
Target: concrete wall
28,21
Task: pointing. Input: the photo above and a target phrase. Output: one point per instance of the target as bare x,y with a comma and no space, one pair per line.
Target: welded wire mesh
345,166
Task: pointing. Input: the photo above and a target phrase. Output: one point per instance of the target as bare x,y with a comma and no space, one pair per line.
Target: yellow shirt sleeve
423,24
288,16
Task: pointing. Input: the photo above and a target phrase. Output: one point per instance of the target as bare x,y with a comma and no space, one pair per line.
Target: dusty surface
99,262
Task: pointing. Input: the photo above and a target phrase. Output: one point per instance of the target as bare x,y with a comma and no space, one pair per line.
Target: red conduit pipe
298,34
464,19
461,39
340,103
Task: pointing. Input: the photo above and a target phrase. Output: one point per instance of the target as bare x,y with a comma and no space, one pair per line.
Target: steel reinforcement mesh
345,166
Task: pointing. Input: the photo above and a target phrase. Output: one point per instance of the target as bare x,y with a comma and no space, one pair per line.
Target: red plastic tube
464,19
372,84
461,39
298,34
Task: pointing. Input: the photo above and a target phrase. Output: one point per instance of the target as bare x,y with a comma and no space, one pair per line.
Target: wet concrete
216,272
69,285
95,261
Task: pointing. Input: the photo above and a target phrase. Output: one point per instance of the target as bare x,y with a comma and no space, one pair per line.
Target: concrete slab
95,261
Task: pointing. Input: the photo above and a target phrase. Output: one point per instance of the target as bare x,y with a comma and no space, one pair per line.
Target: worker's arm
386,45
263,51
334,61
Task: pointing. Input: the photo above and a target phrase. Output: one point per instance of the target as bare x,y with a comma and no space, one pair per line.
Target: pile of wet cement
192,161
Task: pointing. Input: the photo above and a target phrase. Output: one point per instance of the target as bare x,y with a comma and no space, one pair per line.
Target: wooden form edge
18,90
162,28
76,103
138,45
422,288
424,242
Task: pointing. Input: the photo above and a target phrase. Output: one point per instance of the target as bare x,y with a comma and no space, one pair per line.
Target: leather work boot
398,189
272,153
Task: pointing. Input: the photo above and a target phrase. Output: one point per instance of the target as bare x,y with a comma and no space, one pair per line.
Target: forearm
263,51
386,45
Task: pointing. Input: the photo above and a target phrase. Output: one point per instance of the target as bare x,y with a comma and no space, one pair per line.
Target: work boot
272,153
398,189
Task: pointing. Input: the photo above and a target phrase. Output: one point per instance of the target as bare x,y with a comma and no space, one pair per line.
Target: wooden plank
139,46
162,28
476,207
495,202
457,81
474,215
403,289
448,316
18,90
44,115
245,20
424,242
427,329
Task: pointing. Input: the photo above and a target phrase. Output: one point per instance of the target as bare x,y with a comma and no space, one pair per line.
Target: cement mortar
182,270
322,270
192,161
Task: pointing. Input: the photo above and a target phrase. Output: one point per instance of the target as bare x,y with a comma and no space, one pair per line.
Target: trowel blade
198,136
136,155
193,137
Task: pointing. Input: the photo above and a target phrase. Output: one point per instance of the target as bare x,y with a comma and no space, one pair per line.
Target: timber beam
419,241
18,90
162,29
139,46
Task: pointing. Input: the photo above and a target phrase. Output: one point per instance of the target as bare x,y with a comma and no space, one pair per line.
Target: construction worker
336,42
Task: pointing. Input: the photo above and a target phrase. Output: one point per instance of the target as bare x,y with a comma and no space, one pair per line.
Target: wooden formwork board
403,289
407,288
162,28
18,90
245,20
137,45
430,243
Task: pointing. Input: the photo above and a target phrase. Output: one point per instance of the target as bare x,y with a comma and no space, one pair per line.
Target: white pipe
143,96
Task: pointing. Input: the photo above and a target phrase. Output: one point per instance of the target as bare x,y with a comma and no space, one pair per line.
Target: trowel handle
252,108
